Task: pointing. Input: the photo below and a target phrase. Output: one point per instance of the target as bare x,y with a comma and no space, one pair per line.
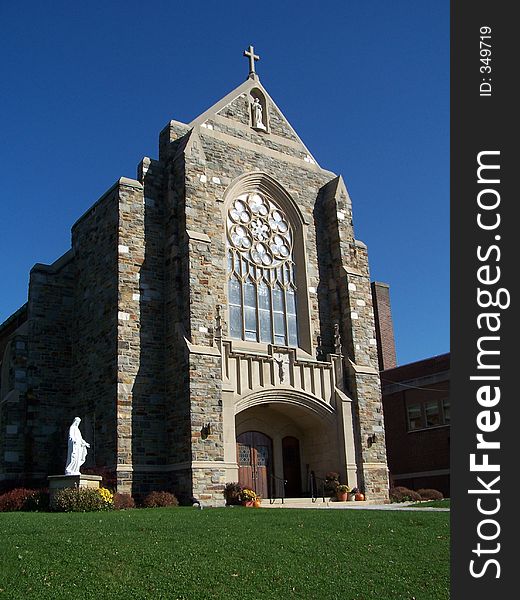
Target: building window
415,420
428,413
446,410
261,283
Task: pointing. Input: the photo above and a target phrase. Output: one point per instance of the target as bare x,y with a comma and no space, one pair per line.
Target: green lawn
243,553
432,504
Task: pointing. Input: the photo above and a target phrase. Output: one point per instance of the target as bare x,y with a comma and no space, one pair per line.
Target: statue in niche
77,449
258,121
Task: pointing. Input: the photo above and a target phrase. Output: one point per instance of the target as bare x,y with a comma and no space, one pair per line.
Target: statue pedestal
59,482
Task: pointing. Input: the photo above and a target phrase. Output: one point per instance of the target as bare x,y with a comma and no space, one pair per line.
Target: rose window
261,281
259,230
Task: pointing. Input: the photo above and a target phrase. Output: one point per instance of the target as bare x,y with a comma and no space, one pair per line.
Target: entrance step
308,503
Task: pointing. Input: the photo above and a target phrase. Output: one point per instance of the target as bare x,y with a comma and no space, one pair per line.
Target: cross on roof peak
250,53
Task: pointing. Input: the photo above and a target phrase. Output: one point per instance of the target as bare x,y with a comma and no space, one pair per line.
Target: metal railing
276,488
316,484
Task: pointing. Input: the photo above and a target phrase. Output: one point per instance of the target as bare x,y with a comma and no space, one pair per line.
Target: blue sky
86,88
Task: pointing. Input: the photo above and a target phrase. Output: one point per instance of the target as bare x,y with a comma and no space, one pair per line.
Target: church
212,322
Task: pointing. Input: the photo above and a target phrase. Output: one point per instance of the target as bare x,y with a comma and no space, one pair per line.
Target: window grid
427,414
261,283
273,321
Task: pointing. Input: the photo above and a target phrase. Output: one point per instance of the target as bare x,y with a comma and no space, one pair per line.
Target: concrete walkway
319,504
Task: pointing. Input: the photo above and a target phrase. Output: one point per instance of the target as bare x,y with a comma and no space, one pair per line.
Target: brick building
417,422
416,405
212,322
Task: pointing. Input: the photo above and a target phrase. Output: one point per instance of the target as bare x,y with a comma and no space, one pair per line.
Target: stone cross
250,52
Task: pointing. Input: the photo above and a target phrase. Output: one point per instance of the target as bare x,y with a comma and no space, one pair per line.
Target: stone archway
301,440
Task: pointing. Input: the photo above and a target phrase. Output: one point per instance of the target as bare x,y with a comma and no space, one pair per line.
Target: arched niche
258,113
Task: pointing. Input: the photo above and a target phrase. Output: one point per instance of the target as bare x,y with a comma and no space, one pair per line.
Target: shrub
159,499
331,482
81,500
15,499
429,494
38,501
403,494
232,493
122,501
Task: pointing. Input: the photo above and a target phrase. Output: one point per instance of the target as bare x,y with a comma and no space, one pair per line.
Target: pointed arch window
261,281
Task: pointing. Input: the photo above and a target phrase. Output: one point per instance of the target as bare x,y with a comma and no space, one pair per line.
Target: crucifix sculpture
250,53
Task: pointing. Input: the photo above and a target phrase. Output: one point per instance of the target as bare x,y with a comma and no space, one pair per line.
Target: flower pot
248,503
351,497
257,503
360,496
342,496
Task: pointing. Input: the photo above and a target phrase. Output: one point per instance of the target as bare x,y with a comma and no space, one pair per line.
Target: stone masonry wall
13,402
47,388
94,243
177,298
141,409
350,274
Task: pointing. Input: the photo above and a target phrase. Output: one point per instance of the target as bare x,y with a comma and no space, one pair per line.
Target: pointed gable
234,116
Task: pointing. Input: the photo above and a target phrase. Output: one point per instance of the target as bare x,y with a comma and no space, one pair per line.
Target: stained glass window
261,285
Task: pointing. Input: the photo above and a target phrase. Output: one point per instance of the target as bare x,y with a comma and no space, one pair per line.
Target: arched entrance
285,435
254,457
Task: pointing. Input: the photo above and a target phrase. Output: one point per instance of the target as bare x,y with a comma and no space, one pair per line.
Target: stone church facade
212,322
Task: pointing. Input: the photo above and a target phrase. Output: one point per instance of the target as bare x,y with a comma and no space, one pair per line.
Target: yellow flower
107,495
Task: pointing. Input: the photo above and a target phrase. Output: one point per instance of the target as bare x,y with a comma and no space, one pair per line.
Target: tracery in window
261,284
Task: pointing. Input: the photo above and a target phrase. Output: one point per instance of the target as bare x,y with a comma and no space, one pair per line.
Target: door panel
292,466
254,451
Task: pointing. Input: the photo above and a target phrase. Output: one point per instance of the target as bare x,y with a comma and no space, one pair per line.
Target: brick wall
384,325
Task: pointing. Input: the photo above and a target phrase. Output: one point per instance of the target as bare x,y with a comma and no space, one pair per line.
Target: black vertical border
483,123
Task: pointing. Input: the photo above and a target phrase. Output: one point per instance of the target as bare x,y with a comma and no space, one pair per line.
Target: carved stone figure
77,449
258,122
282,360
337,340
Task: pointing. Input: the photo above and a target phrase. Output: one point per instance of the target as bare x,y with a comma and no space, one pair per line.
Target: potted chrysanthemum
248,497
342,491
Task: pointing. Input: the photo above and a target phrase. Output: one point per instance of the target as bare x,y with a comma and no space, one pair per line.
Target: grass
185,554
432,504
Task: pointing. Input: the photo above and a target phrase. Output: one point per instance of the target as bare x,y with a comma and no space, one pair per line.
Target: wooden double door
254,457
255,460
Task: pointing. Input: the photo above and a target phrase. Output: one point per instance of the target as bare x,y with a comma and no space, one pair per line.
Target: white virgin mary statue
77,449
258,121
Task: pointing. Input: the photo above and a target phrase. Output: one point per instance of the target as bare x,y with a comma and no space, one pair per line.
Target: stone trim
196,464
280,156
121,182
355,272
399,386
203,350
198,236
434,473
366,370
58,264
246,128
17,314
288,397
